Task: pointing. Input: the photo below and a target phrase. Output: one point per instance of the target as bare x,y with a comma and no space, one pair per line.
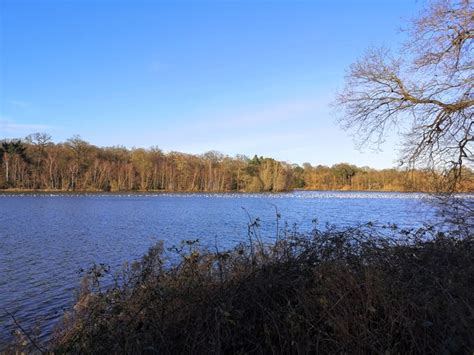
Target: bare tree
425,91
39,139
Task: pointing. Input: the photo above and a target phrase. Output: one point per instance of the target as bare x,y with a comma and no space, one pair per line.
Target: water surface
45,239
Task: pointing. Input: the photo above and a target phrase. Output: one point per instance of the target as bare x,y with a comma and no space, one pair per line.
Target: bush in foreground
333,291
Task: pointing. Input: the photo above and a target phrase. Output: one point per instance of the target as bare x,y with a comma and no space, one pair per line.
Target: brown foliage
351,291
76,165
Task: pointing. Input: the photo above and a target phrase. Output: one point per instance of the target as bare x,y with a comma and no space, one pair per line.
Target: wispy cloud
157,66
262,116
19,103
270,114
7,126
266,129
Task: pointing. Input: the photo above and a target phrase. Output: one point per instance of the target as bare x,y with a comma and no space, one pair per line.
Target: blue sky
240,77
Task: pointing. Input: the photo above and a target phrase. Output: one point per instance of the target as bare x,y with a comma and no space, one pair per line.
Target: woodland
36,163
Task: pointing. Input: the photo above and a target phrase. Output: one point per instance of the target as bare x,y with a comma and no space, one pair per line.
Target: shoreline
158,192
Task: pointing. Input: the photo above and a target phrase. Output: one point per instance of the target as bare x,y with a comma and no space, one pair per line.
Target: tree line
36,163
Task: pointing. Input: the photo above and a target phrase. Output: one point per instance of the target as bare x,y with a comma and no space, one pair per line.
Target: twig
42,351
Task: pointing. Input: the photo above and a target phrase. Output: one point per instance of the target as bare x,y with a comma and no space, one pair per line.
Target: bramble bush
357,290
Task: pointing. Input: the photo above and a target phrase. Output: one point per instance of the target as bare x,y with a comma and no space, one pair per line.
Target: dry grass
350,291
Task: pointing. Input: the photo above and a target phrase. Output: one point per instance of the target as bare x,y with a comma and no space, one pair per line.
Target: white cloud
19,103
7,126
273,114
234,120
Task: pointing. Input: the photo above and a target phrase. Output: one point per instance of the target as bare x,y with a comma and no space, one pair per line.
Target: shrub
333,291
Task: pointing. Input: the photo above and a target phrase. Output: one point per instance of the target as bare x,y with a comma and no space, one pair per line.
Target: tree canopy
36,163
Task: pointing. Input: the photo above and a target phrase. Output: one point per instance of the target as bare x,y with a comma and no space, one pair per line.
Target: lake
45,239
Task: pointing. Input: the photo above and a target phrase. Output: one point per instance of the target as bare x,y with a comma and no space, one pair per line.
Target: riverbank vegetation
357,290
35,163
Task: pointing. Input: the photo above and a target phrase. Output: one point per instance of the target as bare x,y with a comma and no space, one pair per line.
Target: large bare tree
425,91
